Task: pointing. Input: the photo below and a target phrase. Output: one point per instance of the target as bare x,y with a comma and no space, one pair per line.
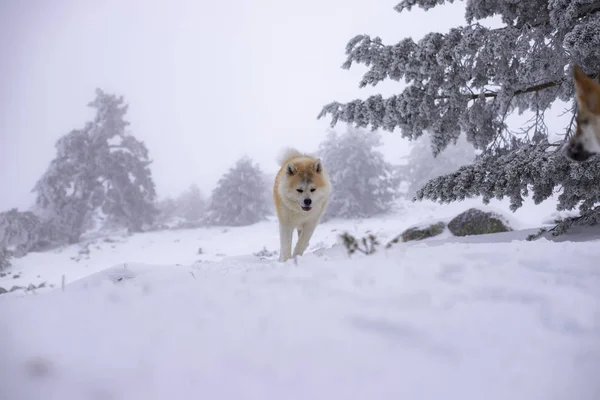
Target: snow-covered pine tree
470,79
191,204
240,197
100,167
364,184
422,165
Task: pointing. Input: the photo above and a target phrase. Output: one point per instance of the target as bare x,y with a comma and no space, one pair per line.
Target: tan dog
301,192
586,141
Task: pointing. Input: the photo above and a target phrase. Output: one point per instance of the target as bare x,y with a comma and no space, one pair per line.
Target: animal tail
288,154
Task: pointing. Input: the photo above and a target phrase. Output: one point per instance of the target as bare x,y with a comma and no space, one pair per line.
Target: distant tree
99,167
5,256
240,197
471,79
22,232
423,166
191,204
19,231
186,211
166,210
364,184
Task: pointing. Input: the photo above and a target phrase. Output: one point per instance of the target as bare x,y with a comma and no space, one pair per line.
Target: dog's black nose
576,152
307,202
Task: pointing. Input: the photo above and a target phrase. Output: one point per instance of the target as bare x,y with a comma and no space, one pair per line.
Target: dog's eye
300,190
313,189
584,121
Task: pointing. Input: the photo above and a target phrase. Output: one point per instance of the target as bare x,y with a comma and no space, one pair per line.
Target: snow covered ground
216,243
148,317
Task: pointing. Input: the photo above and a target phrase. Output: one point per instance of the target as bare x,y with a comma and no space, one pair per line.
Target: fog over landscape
207,82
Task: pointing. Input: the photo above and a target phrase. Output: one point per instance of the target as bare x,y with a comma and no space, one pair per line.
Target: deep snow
488,317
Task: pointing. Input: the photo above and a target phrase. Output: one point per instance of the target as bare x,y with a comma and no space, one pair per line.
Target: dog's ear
317,166
290,169
587,90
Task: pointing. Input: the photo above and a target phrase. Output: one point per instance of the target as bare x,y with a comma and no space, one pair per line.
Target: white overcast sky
207,81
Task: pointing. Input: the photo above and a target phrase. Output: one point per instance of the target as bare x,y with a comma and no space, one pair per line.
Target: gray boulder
477,222
418,234
423,233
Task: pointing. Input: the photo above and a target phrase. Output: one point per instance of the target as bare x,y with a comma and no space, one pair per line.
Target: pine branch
475,96
513,175
531,89
569,129
429,4
424,4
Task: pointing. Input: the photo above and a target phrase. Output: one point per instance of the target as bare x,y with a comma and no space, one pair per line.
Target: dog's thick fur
586,140
301,192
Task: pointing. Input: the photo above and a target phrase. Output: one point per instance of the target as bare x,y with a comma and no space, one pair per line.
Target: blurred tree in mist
191,204
19,231
364,184
188,207
470,79
5,256
23,231
167,209
423,166
241,196
100,168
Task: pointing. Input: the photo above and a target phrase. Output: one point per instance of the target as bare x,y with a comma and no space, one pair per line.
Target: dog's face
586,141
304,185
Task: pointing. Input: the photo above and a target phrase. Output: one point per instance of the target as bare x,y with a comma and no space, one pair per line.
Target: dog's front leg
285,242
303,239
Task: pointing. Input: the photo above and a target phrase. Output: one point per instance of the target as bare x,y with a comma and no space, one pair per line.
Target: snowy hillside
183,247
149,317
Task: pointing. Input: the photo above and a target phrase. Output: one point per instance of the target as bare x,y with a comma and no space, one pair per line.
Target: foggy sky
207,81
